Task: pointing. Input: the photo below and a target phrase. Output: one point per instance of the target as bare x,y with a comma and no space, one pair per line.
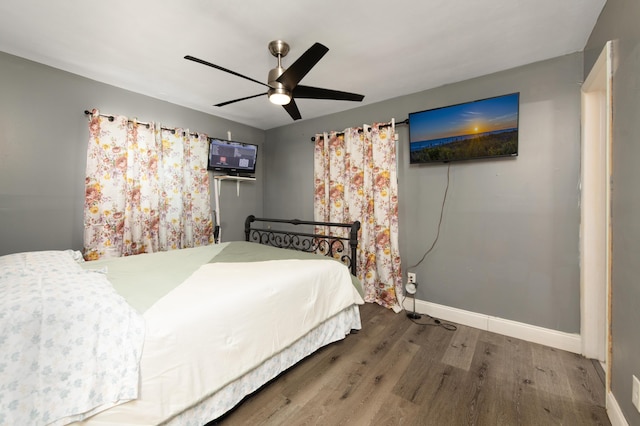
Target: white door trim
595,223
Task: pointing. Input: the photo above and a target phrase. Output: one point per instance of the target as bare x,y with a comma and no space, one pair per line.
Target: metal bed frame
328,245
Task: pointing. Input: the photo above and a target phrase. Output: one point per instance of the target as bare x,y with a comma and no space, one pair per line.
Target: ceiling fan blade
292,75
239,99
308,92
218,67
293,110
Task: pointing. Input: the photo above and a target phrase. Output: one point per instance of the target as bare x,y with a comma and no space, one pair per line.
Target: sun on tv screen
485,128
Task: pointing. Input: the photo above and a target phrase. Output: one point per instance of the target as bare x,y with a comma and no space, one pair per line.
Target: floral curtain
185,219
146,188
355,179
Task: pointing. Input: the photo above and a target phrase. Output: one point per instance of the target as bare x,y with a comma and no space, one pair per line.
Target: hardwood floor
396,372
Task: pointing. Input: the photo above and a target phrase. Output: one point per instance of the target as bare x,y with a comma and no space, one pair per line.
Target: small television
232,158
485,128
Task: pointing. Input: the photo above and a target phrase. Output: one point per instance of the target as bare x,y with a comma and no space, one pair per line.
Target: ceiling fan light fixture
279,98
278,93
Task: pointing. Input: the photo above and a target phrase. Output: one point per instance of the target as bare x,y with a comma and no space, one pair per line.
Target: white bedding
248,313
332,330
70,345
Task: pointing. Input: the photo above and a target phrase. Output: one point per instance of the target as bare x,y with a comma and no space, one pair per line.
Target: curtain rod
142,123
406,121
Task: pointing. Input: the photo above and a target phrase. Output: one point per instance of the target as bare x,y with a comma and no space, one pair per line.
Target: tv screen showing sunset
478,129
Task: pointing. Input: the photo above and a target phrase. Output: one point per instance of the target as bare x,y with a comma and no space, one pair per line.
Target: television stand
238,179
234,177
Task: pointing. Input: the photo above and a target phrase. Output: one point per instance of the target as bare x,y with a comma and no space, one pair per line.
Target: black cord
436,322
444,199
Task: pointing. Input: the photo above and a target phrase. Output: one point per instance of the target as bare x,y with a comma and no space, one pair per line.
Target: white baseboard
531,333
614,412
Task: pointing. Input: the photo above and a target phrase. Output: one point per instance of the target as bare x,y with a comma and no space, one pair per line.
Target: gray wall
619,22
43,138
509,240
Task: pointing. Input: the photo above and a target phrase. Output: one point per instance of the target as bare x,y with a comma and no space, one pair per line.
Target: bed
176,338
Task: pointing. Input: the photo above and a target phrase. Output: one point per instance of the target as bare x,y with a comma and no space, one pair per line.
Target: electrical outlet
411,277
635,393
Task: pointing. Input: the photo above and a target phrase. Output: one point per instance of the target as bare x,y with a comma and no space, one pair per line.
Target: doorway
595,224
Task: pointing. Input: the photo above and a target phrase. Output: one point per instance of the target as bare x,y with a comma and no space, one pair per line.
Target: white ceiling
381,49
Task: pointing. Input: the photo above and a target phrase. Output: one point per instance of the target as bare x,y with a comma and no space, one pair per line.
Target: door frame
595,223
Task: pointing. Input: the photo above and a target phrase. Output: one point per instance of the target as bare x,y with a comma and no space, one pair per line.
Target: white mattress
222,323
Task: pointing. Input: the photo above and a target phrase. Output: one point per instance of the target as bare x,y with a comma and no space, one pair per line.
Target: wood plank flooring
397,372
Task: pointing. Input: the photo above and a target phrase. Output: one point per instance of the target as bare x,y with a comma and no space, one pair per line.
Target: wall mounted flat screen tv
484,128
233,158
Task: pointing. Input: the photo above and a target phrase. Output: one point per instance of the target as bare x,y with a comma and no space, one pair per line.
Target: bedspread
224,321
70,346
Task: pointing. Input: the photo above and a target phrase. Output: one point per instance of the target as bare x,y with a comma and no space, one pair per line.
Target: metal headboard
328,245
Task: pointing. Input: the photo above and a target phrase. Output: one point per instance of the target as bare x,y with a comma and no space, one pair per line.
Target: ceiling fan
283,87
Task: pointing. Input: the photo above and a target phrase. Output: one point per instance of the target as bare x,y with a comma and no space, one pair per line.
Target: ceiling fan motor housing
277,88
